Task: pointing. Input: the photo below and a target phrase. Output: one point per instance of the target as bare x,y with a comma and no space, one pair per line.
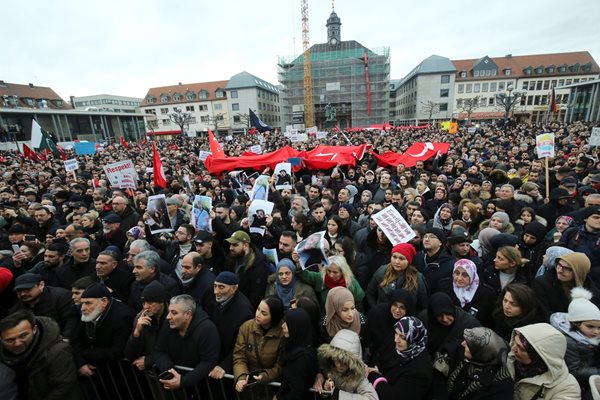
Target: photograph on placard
159,220
271,255
260,190
257,215
283,172
313,250
201,213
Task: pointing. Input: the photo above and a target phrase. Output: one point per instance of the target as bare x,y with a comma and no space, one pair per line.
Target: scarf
466,294
333,305
415,334
330,283
286,292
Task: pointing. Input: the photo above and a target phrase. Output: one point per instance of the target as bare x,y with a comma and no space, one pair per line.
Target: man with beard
173,250
46,301
286,245
223,225
43,363
117,279
104,329
196,281
54,256
111,234
249,264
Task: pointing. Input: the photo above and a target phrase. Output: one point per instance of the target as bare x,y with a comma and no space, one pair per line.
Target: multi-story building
206,102
527,80
20,104
350,83
246,91
425,93
106,102
584,101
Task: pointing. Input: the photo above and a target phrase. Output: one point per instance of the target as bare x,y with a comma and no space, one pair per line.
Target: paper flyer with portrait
201,207
260,190
159,220
393,225
312,250
257,215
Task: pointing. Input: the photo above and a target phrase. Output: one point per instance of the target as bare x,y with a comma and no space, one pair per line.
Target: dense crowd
495,297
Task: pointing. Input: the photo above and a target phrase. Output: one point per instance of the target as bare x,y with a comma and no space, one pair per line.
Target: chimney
31,85
508,56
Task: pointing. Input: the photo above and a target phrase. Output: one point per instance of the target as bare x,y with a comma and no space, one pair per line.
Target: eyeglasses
564,267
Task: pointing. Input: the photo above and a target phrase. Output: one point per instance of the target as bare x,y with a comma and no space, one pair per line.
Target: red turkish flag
325,157
124,143
157,169
419,151
30,154
215,147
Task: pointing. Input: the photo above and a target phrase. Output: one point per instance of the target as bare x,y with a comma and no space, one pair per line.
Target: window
523,100
164,110
177,97
545,99
525,85
476,88
29,102
493,87
561,82
459,103
234,94
203,107
469,87
507,71
529,100
190,108
538,85
568,81
463,74
218,106
204,118
484,87
220,94
203,94
191,96
546,85
444,92
483,102
151,100
476,73
445,79
443,106
461,88
539,70
500,86
527,71
492,101
166,121
537,100
565,98
164,99
237,119
151,111
235,107
192,120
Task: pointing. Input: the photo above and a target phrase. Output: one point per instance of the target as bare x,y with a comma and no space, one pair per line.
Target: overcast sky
125,47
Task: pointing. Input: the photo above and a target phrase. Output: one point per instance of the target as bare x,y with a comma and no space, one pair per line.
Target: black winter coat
200,288
495,383
253,276
197,349
135,296
55,303
298,371
434,268
145,344
119,281
409,381
482,304
553,298
69,272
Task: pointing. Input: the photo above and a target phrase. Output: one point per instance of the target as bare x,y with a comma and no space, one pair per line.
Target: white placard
283,172
203,155
257,215
288,128
393,225
71,165
471,130
229,138
321,135
121,172
595,137
312,129
256,149
544,145
159,220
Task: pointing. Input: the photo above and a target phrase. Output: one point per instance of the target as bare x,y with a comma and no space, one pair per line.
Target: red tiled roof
210,87
518,63
36,93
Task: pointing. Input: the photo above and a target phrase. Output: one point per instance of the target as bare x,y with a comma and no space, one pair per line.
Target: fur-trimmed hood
525,198
345,348
510,228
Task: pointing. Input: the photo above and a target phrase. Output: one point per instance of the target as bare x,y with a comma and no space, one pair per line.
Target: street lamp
508,101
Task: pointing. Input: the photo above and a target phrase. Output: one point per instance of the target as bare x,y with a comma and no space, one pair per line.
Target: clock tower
333,29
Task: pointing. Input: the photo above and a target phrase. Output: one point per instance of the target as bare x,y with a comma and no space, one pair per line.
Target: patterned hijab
415,334
466,294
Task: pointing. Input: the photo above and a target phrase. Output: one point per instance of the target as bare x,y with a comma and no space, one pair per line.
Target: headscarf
569,220
300,335
334,304
286,293
553,252
484,237
486,346
415,334
537,365
466,294
438,222
503,217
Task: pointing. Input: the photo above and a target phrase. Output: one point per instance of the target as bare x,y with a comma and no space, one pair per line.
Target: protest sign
283,172
311,250
203,155
395,228
71,165
200,213
256,149
544,145
122,172
595,137
257,215
83,148
159,220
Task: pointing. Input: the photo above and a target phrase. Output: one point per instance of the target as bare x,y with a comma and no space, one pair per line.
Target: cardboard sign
122,172
544,145
595,137
71,165
393,225
203,155
84,148
256,149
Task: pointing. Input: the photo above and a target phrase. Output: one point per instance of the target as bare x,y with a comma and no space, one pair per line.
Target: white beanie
581,308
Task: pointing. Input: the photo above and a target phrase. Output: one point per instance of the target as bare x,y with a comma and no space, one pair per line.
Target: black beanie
96,291
155,292
438,233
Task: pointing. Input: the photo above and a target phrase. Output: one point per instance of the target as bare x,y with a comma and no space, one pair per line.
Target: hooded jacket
345,347
51,369
197,349
556,383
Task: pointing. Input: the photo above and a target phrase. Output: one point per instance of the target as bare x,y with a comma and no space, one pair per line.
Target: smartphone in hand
166,375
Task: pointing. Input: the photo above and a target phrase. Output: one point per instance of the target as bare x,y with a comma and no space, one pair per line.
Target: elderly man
190,339
104,329
129,217
111,233
46,301
118,280
196,280
80,264
32,347
146,269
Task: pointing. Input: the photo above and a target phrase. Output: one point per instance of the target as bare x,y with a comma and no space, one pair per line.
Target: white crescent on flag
426,147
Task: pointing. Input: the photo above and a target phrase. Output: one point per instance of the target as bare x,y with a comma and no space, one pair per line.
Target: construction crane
308,89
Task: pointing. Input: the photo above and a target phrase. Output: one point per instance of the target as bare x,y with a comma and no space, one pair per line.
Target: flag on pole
257,123
157,169
124,143
30,154
40,139
215,147
553,105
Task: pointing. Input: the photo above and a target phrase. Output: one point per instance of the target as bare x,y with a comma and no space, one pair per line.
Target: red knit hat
406,249
5,278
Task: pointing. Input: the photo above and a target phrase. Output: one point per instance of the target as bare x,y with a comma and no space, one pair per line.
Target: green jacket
315,279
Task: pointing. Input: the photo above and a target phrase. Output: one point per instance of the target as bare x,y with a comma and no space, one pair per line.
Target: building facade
246,91
20,104
424,94
106,102
526,80
350,83
584,101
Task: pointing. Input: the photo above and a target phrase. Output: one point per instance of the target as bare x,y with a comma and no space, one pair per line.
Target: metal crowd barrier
121,380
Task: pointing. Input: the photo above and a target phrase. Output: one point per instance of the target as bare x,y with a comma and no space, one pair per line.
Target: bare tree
181,118
470,105
217,120
244,118
507,101
429,107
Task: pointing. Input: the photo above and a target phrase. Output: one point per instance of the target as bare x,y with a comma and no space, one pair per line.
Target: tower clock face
333,41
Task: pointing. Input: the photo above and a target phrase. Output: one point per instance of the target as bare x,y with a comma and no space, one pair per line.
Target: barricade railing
123,381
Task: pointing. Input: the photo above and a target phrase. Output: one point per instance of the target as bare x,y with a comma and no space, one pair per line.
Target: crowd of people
496,295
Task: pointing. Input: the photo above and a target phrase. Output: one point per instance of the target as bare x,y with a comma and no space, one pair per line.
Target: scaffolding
339,82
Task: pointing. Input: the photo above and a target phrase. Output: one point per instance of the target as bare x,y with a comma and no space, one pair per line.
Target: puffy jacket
255,350
434,269
556,383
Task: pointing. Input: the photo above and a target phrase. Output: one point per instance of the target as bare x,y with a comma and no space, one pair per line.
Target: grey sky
124,47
